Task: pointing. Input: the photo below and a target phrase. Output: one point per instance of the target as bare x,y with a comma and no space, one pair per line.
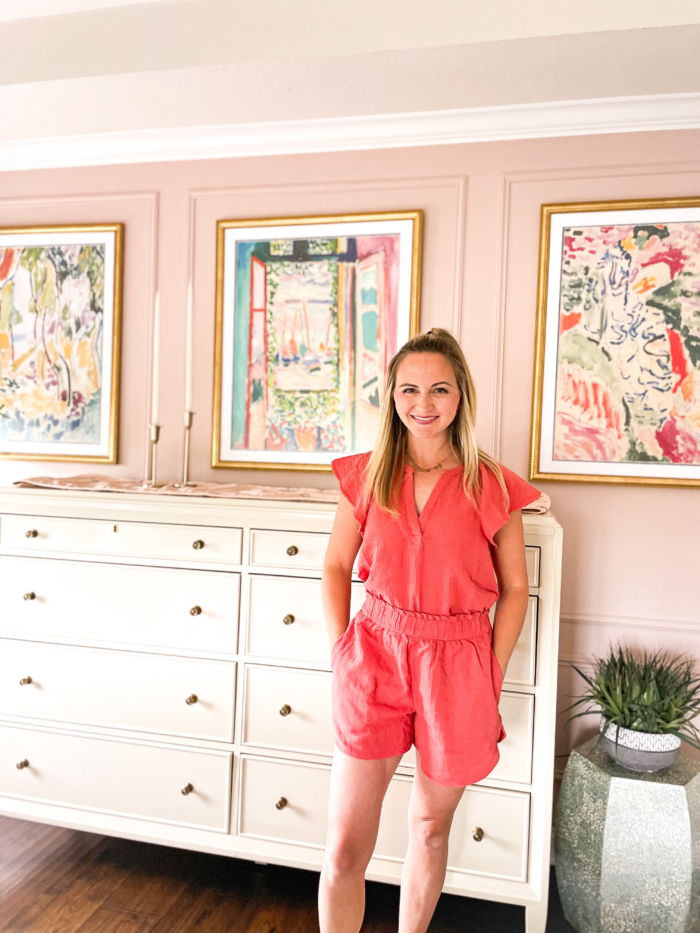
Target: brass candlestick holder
189,415
155,436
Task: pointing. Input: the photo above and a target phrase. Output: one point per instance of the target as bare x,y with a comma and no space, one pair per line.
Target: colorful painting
308,317
59,342
620,393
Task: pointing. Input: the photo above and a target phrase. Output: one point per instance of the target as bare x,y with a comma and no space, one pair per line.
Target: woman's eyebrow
414,386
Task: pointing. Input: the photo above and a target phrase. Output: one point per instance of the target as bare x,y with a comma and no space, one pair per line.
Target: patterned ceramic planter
639,751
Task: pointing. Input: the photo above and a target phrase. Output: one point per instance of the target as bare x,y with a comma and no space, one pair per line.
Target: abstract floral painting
618,387
59,342
308,316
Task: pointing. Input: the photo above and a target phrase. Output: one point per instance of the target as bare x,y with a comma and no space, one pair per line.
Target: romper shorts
403,677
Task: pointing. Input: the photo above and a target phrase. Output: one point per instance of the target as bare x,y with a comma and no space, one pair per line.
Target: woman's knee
429,832
347,854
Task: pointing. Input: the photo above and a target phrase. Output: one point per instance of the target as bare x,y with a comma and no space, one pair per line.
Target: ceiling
85,38
130,66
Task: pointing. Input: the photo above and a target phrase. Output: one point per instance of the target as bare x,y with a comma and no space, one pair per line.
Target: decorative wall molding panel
634,622
583,661
481,124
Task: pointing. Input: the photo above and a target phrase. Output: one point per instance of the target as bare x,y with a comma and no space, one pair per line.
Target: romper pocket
342,638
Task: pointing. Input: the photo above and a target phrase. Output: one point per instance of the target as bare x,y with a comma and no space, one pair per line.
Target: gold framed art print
60,340
617,352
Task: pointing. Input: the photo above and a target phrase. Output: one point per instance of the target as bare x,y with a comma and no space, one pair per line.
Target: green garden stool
627,845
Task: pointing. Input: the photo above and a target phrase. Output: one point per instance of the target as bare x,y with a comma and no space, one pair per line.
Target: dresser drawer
502,815
288,802
515,764
288,710
118,777
295,549
115,603
523,661
283,801
121,689
121,539
286,620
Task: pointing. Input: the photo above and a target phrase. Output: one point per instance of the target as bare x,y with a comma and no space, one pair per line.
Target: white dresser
164,676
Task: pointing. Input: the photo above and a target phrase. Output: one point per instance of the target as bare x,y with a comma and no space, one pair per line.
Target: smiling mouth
427,420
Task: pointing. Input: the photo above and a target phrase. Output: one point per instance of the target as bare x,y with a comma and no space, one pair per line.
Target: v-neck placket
418,522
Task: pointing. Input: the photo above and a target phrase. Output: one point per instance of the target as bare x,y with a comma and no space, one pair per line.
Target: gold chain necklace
428,469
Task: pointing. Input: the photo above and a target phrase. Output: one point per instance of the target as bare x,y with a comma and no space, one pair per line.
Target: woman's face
426,394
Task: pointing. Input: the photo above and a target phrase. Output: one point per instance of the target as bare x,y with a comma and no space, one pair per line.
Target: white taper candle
155,408
189,349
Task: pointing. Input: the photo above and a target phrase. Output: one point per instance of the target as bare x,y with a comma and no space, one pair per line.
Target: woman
419,664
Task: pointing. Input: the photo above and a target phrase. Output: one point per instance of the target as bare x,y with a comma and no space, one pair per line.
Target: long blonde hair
388,458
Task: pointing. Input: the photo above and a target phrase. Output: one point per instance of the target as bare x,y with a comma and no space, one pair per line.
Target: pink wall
631,554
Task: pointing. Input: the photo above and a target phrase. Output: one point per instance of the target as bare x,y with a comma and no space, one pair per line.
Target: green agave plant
659,693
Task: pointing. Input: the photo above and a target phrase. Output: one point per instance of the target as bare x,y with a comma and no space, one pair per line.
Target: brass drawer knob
24,681
286,710
32,533
187,789
477,834
281,803
29,596
292,550
192,698
198,544
22,764
196,611
288,619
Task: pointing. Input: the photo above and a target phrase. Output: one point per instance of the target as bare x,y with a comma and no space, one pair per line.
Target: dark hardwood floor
59,881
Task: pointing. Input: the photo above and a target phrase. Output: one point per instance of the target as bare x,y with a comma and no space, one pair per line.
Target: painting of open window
309,313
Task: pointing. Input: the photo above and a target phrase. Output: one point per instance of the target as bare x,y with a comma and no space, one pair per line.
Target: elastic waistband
425,624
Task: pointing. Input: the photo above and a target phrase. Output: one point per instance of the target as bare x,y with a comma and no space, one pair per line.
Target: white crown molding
483,124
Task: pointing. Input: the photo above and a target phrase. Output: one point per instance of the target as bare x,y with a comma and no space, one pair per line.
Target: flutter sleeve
350,473
493,511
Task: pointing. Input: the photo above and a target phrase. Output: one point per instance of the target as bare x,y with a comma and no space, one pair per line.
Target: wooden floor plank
54,862
192,908
19,859
20,835
105,920
68,903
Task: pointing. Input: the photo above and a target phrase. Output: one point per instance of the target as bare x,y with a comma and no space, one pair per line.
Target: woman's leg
354,806
430,813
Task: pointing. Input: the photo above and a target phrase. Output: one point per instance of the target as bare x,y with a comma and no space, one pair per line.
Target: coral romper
416,665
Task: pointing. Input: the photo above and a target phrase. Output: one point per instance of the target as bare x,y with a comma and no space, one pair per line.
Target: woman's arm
337,570
511,573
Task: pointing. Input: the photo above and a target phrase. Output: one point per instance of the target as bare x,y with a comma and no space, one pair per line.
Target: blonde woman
442,539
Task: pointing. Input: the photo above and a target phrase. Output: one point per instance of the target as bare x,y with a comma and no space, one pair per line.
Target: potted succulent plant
646,706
